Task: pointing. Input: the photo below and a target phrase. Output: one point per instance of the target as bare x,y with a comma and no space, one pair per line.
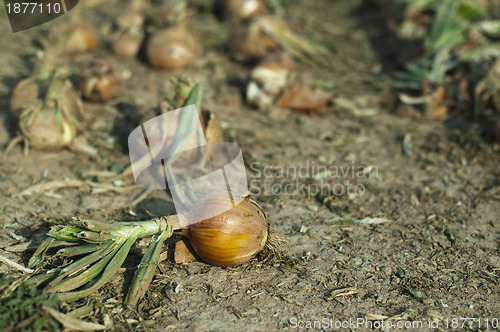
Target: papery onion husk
303,99
171,48
99,81
438,105
230,238
268,79
212,127
184,252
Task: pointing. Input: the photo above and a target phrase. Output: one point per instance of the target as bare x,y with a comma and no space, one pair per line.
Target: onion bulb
230,238
46,128
236,10
269,33
25,93
251,44
83,38
171,48
130,35
46,108
127,44
50,123
99,81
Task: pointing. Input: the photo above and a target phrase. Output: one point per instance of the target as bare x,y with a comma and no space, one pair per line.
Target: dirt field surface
378,230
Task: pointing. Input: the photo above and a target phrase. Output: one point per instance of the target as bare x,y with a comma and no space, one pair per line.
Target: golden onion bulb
131,33
84,38
127,45
171,48
230,238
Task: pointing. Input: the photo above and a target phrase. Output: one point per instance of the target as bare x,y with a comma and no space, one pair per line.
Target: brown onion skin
236,10
84,38
171,48
99,81
231,238
127,45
